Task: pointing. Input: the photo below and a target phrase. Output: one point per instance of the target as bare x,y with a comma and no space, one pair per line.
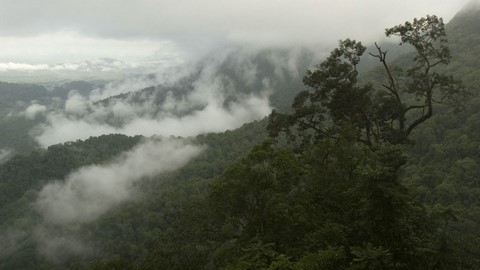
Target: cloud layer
75,30
241,20
208,102
71,50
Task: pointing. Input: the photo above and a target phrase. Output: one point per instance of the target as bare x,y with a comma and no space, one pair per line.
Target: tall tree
428,38
378,115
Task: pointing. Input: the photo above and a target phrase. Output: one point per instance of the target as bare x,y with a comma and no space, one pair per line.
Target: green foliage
114,264
334,87
443,173
371,258
328,259
326,201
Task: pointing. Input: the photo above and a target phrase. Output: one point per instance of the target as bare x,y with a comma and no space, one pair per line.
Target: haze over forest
239,135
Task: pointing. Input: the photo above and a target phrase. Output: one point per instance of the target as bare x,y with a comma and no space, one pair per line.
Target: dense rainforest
374,169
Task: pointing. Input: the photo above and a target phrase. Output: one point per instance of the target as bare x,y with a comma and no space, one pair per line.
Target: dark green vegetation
355,176
132,230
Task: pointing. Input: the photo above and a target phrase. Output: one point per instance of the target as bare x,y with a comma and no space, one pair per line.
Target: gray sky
47,31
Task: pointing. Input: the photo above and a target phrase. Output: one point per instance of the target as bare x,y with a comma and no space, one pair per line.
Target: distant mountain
463,33
238,72
465,24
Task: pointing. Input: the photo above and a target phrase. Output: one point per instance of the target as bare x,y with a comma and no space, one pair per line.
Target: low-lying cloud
33,110
71,50
92,190
5,154
211,118
63,206
10,66
209,103
60,243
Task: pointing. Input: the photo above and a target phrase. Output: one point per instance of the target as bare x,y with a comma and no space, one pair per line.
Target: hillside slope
128,231
464,37
444,164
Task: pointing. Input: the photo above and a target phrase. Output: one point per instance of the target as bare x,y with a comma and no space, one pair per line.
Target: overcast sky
49,31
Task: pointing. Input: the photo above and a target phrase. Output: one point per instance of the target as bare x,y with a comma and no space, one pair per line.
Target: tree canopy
389,114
